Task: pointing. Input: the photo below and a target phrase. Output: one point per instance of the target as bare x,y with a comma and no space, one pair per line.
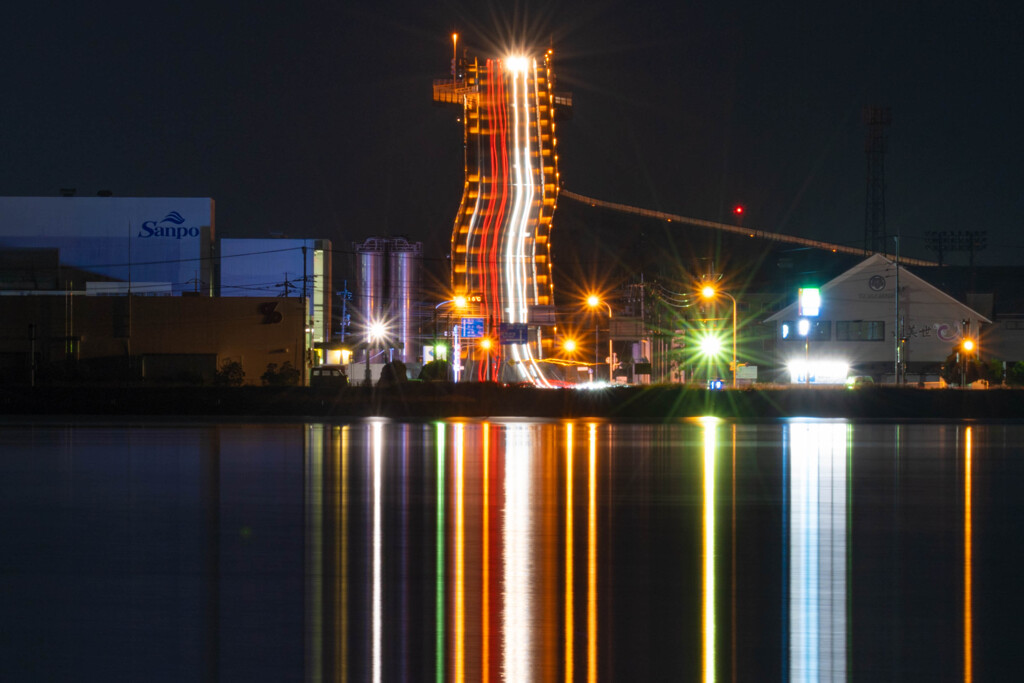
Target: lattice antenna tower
876,119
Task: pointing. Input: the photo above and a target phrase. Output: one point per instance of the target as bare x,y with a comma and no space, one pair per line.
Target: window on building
860,330
821,330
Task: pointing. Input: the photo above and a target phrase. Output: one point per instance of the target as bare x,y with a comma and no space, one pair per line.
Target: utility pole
897,324
877,119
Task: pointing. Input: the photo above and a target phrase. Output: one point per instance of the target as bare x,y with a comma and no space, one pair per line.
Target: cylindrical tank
372,282
403,284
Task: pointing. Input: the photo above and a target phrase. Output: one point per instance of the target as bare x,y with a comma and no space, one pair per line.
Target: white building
867,316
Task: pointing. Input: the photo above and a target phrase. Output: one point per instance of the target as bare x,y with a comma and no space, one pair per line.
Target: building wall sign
271,316
129,239
176,229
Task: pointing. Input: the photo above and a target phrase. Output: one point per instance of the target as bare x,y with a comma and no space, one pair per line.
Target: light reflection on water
801,550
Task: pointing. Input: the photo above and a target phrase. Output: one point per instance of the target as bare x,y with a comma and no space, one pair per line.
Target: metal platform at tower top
459,92
447,91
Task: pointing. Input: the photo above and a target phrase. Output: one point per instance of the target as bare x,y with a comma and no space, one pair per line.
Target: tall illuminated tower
500,254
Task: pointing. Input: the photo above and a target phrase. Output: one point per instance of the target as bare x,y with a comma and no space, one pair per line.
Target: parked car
327,377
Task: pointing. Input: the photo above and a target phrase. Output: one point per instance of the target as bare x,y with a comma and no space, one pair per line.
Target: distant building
867,316
289,268
144,245
63,250
110,339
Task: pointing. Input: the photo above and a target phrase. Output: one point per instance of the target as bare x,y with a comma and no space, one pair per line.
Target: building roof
873,279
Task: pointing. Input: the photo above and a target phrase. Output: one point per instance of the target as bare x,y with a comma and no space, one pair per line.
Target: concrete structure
868,315
105,339
500,256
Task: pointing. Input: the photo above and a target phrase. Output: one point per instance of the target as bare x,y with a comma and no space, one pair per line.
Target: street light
593,301
375,331
710,292
455,59
460,303
804,329
967,346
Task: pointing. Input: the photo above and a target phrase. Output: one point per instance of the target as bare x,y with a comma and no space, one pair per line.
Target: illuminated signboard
810,301
472,328
513,333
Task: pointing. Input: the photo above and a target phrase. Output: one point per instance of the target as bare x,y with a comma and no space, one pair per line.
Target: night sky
315,119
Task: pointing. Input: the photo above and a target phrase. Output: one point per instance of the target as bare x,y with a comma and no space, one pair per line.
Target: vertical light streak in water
710,425
803,593
786,562
517,655
377,599
818,540
968,566
315,549
592,557
439,568
459,633
732,559
341,554
485,601
569,594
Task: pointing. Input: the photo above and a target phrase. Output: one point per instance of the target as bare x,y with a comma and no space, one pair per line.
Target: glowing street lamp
460,303
709,292
710,345
569,345
455,58
593,301
966,348
375,331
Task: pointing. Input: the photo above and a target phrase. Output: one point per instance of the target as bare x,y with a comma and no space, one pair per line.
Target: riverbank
422,400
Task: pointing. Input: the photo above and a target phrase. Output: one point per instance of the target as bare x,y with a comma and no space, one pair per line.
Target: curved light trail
500,249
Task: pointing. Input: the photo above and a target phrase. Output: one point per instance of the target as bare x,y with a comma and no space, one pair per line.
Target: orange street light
455,58
709,292
593,301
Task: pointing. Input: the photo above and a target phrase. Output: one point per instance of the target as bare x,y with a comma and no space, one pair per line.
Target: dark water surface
797,550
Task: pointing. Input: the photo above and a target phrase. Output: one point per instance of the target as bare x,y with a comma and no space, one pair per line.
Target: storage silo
403,283
371,276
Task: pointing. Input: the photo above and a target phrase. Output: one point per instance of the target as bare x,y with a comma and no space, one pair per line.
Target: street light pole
804,328
594,301
709,293
460,302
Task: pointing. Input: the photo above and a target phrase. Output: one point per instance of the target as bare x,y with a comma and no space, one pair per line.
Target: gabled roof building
874,319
